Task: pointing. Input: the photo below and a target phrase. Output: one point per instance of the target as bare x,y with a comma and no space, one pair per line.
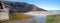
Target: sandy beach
41,13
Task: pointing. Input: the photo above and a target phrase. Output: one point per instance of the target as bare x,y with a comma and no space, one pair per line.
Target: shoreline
41,13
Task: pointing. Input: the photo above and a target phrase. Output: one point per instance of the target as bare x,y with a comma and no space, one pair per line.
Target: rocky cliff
21,6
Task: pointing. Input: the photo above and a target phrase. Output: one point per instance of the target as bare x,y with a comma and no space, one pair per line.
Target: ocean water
53,10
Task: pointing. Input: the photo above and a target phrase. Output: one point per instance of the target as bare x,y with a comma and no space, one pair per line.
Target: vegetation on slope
53,18
21,7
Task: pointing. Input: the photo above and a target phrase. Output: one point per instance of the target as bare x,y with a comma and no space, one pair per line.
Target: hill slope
21,6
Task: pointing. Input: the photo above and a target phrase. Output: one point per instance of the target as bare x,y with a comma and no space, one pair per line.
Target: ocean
53,10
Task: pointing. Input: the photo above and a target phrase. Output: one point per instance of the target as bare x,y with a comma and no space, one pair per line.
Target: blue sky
45,4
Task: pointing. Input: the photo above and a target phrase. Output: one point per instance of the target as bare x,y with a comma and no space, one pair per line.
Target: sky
45,4
2,0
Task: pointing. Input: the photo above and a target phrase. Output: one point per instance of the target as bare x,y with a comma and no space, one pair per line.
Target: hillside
21,6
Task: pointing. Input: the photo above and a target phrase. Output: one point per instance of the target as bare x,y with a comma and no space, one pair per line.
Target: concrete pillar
4,14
